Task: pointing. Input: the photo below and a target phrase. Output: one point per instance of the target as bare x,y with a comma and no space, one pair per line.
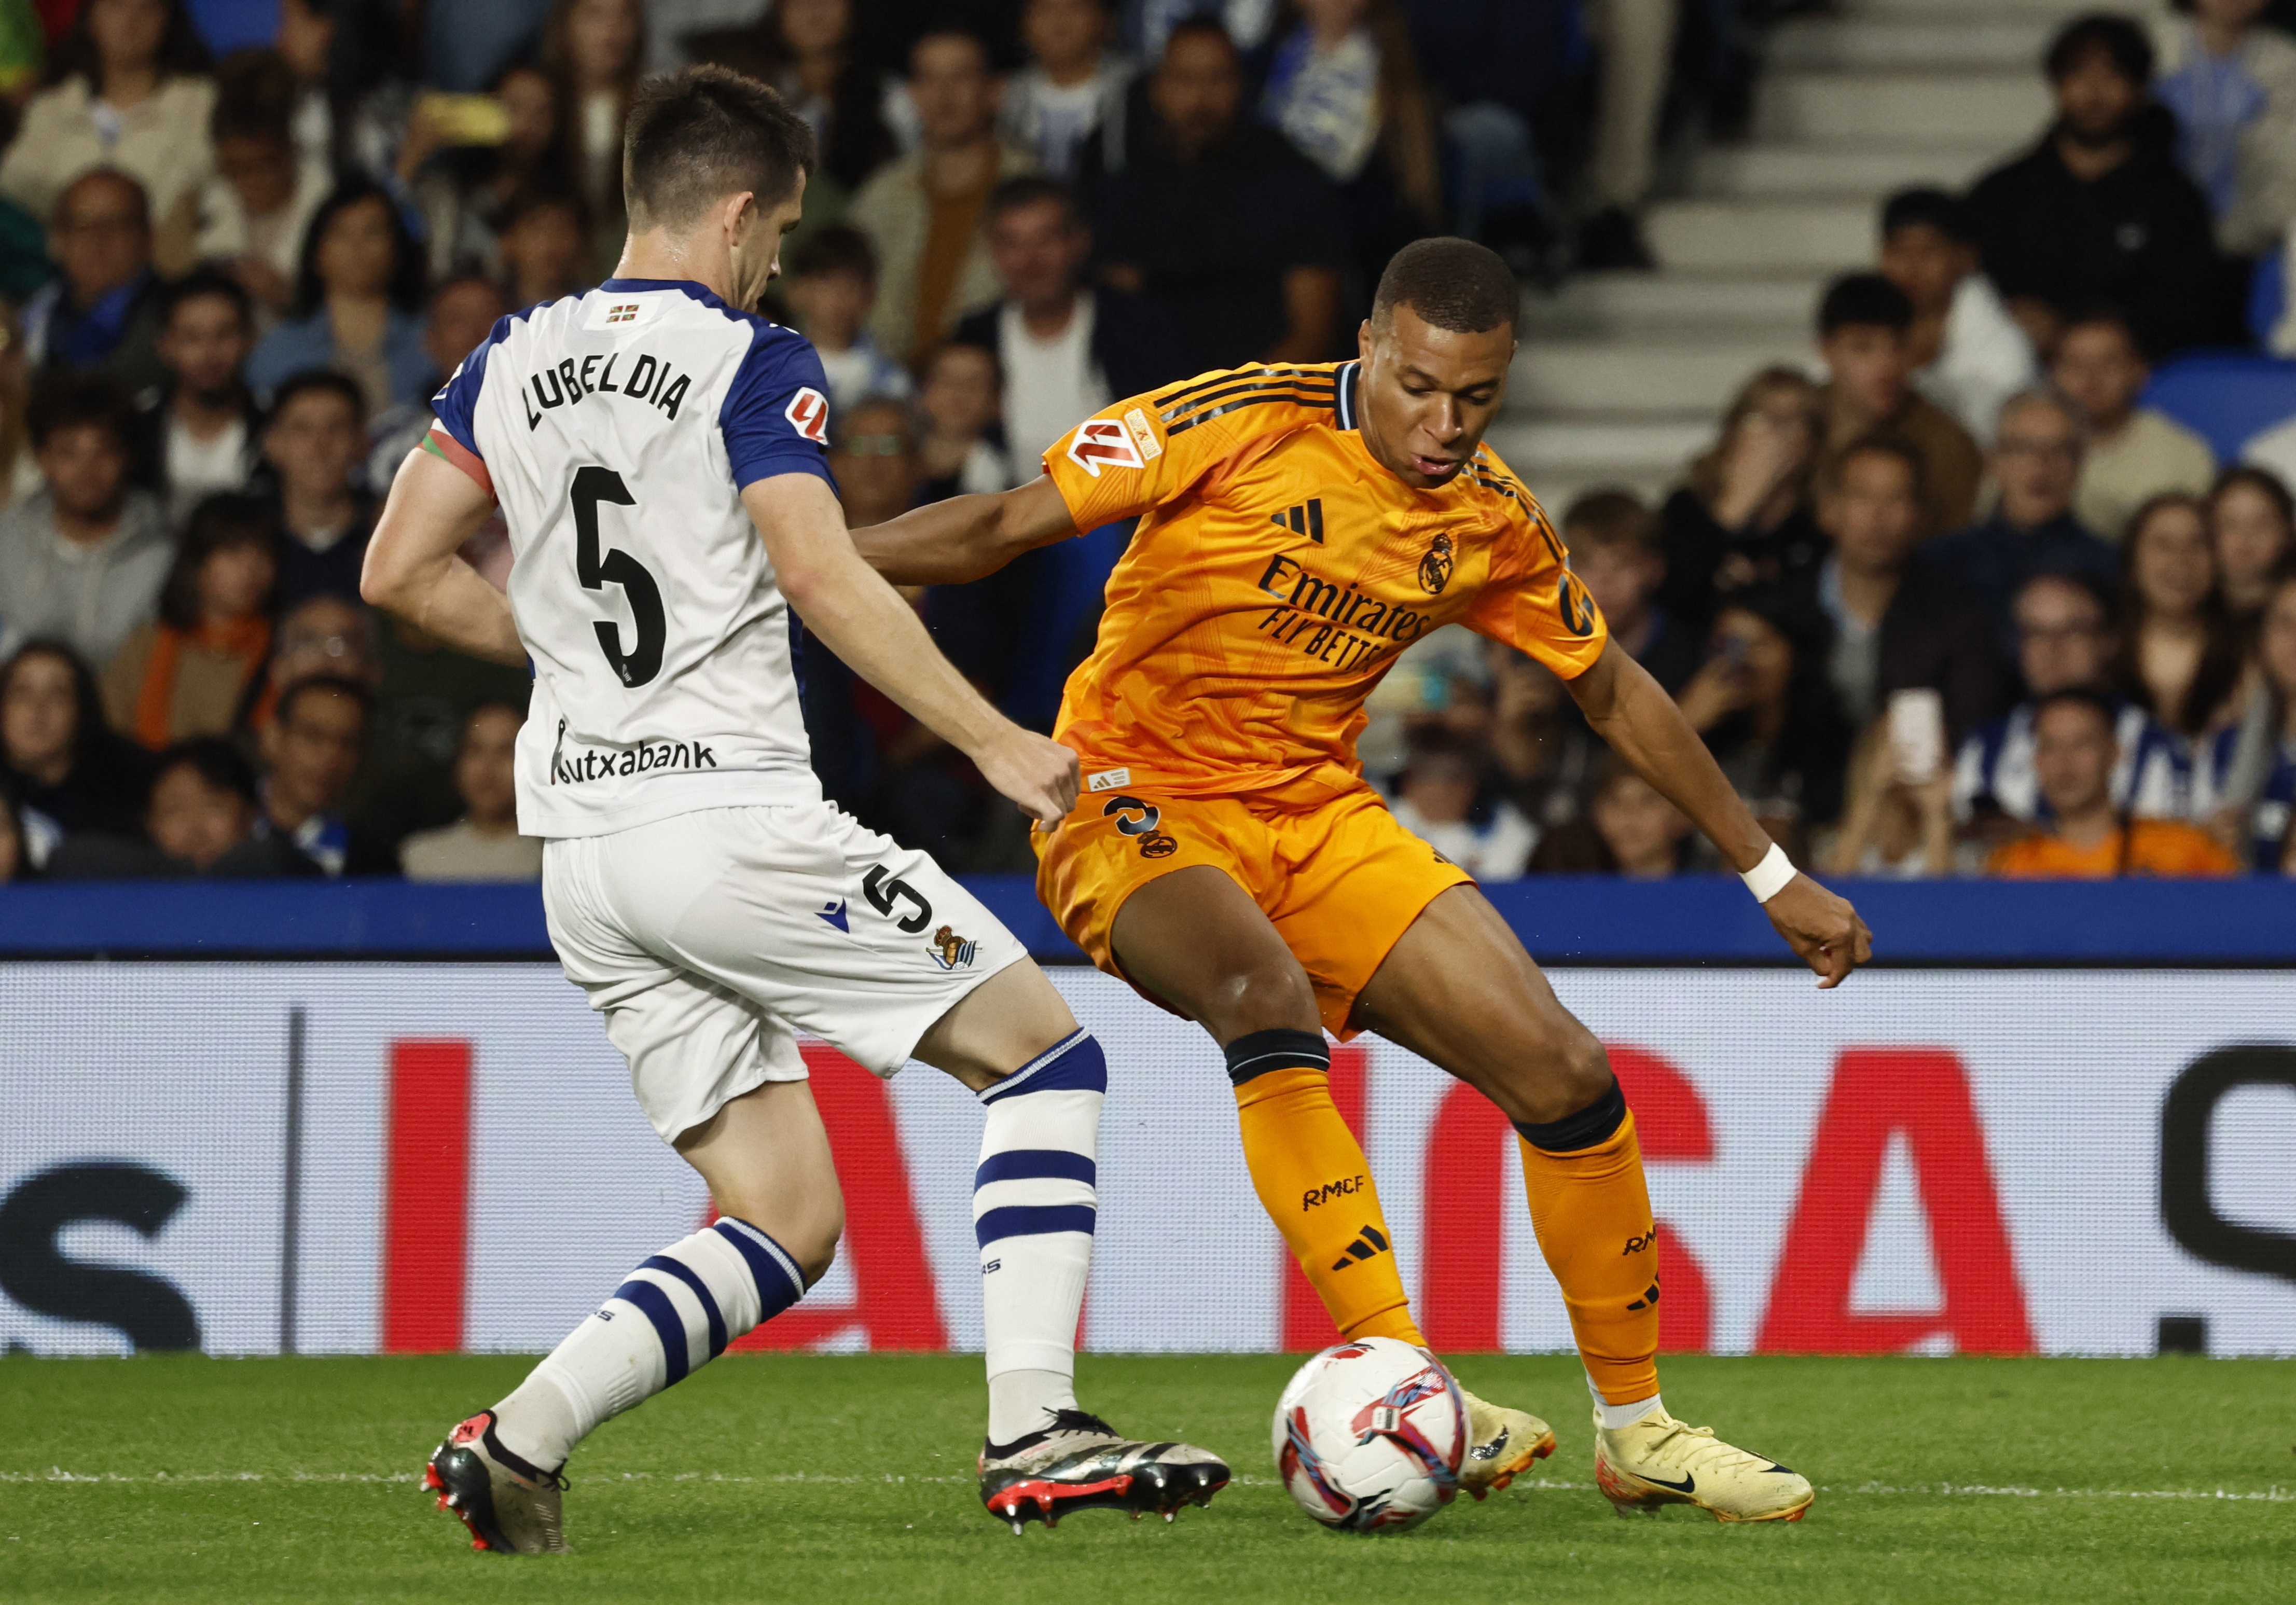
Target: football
1368,1436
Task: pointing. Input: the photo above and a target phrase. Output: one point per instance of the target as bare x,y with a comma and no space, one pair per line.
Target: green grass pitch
816,1479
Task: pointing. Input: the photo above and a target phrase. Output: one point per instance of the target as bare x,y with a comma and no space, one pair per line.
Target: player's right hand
1035,771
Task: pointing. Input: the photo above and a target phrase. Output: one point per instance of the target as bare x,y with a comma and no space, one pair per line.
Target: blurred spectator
962,452
484,844
424,695
2231,82
187,673
254,213
311,752
873,456
1967,353
1764,705
2088,837
65,769
358,303
1643,832
1541,757
1613,543
316,446
1896,626
1505,68
595,50
2252,531
545,247
15,863
832,76
831,286
1745,518
2180,654
200,821
2035,461
1066,351
83,559
1863,324
352,109
465,46
1074,84
102,313
326,636
1637,38
461,177
1237,234
1344,88
20,476
2246,780
2064,644
672,26
2133,453
201,432
1435,800
128,90
2098,210
922,211
1897,824
462,316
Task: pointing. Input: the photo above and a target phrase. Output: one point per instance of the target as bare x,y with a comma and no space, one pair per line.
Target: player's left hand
1036,773
1822,929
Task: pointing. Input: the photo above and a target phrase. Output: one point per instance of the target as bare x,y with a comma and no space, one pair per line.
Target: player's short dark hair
1032,189
1864,301
1831,471
1452,284
2083,696
319,380
840,248
700,133
2120,40
201,283
1601,519
334,684
65,399
1927,208
214,760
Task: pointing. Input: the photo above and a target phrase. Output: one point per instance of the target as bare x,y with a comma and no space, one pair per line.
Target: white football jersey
617,429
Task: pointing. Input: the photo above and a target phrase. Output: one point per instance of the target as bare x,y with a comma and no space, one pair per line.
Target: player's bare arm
413,571
966,538
849,605
1630,710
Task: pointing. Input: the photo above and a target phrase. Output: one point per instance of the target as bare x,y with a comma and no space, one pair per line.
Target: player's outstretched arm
965,537
847,604
1630,710
412,571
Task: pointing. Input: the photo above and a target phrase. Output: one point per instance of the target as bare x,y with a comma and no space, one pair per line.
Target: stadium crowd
1959,605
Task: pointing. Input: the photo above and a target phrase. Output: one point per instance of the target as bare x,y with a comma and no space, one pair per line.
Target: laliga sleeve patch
809,415
1103,443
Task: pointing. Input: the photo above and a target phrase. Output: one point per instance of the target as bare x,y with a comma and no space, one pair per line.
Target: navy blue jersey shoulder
775,414
456,403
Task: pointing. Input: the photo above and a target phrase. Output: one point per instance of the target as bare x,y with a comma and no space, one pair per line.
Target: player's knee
1576,1075
1271,995
815,1249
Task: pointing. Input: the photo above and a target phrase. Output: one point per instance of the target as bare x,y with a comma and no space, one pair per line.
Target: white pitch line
2275,1495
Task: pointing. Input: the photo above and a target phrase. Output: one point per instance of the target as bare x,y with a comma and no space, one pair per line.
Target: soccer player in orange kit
1298,527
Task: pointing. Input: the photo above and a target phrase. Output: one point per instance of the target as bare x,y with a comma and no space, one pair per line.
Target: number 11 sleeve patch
775,415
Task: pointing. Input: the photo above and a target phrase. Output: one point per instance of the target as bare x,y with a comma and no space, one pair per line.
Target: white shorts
710,940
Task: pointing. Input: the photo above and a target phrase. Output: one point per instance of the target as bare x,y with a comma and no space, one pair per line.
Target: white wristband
1769,878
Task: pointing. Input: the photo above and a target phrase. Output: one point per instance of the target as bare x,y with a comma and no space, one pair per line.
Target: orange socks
1592,1212
1311,1177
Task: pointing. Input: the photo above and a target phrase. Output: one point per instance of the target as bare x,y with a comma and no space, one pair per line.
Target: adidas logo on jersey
1307,518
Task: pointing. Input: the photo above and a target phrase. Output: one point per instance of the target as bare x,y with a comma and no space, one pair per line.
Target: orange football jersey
1277,573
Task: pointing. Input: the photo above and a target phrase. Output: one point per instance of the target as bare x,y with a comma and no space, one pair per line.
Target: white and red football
1369,1433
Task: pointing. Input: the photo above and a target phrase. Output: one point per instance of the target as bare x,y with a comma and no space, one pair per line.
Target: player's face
757,250
1429,394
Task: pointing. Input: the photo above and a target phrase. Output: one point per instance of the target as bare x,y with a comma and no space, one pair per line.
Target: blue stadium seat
2225,396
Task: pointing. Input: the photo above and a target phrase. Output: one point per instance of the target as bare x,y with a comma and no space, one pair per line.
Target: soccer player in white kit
658,453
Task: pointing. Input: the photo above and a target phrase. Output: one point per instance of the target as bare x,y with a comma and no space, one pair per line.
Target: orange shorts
1341,881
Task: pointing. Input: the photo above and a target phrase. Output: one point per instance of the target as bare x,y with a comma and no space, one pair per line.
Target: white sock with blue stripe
1034,1202
673,1315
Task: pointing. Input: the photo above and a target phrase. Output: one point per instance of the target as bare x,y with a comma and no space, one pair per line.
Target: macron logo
1103,443
809,415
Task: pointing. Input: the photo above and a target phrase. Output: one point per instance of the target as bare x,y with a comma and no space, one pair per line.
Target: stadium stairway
1622,375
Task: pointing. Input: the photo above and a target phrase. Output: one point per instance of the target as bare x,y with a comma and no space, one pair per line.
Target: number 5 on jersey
592,486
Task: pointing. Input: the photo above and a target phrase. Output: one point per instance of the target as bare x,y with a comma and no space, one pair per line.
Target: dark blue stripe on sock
1033,1220
1035,1164
777,1291
668,1325
1080,1066
691,1278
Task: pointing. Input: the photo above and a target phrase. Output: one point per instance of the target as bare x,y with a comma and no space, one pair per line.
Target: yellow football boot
1501,1445
1658,1460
